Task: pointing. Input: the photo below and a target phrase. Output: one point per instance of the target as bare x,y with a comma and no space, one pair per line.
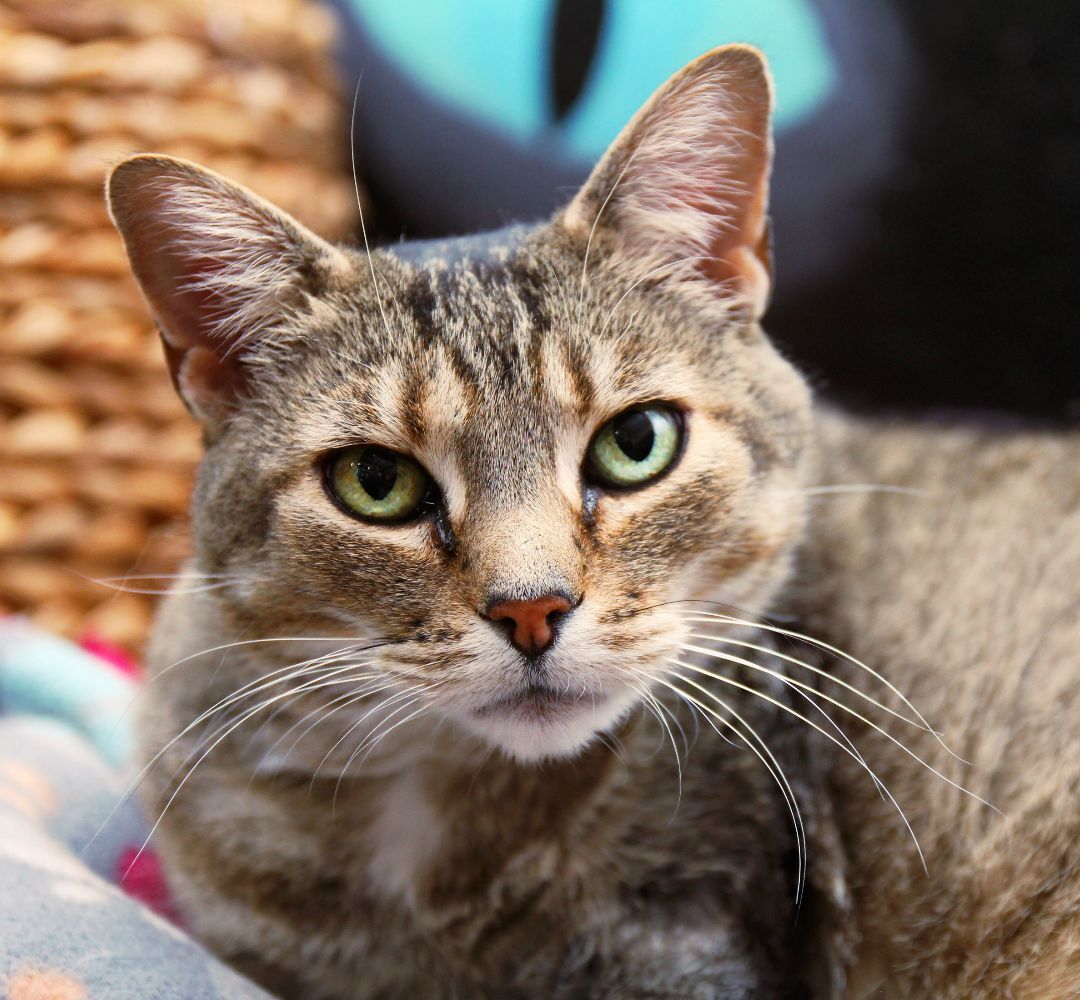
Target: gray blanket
84,913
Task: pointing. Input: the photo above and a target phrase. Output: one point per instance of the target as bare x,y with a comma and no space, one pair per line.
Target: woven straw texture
96,453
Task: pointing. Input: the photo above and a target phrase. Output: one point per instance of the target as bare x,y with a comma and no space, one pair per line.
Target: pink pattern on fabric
94,644
140,875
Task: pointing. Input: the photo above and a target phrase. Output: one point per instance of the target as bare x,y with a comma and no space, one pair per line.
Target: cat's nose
531,622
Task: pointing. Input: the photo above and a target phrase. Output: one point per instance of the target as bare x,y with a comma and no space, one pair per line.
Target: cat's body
511,866
967,597
509,820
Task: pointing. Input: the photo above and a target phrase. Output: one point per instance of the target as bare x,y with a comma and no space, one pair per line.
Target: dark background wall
967,293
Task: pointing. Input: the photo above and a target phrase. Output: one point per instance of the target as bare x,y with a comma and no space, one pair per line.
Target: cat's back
954,546
948,558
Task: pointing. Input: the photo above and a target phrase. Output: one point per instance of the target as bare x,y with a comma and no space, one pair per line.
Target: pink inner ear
178,287
208,381
731,189
205,366
741,250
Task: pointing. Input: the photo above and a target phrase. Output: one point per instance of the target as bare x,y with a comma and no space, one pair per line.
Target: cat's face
503,464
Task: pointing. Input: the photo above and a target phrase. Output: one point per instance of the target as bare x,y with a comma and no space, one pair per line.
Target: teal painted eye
636,446
377,484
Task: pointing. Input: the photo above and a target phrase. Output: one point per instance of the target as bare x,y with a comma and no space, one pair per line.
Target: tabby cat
543,638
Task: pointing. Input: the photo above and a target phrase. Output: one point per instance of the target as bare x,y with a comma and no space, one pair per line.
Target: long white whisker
280,699
813,725
360,209
158,576
889,736
321,665
329,709
863,488
592,230
121,583
778,774
792,680
674,748
145,770
820,644
183,781
355,642
646,703
371,743
348,732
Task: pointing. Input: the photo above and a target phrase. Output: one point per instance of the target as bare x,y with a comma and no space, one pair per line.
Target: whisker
280,699
614,746
791,680
159,576
360,208
774,769
686,741
152,592
283,676
183,781
592,230
861,718
356,725
674,749
287,638
145,770
372,743
835,651
328,709
645,277
840,733
119,583
863,488
813,725
646,703
371,738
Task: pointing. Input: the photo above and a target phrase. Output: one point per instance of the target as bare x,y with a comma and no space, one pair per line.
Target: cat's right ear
222,270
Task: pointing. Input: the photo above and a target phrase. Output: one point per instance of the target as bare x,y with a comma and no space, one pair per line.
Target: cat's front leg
656,955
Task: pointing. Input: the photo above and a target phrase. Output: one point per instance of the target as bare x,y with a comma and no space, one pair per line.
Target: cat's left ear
222,270
683,190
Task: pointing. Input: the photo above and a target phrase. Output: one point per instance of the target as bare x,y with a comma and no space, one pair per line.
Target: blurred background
926,208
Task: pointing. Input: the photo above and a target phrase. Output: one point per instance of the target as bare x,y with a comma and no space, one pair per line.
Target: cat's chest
442,841
405,838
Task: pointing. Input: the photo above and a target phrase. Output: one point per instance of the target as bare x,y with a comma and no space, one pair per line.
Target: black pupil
634,435
377,471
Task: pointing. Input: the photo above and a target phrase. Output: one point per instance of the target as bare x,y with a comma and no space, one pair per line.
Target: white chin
529,735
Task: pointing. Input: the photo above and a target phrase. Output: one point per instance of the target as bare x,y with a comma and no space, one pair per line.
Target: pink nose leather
532,632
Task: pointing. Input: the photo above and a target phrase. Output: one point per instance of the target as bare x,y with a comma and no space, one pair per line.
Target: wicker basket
96,452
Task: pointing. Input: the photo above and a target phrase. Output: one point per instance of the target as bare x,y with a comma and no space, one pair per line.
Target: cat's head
514,461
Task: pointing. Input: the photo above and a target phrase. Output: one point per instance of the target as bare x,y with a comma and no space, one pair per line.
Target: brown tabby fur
476,852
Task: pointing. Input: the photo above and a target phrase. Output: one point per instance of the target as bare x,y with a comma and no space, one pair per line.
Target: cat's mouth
538,721
540,703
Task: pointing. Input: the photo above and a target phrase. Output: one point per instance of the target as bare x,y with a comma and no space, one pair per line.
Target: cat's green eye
377,484
636,446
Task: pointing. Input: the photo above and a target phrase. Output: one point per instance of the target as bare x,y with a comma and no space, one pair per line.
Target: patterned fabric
84,911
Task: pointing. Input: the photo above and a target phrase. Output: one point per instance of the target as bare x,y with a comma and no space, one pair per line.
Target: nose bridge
526,552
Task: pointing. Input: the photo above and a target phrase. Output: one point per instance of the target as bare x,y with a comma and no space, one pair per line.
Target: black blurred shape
968,294
576,30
